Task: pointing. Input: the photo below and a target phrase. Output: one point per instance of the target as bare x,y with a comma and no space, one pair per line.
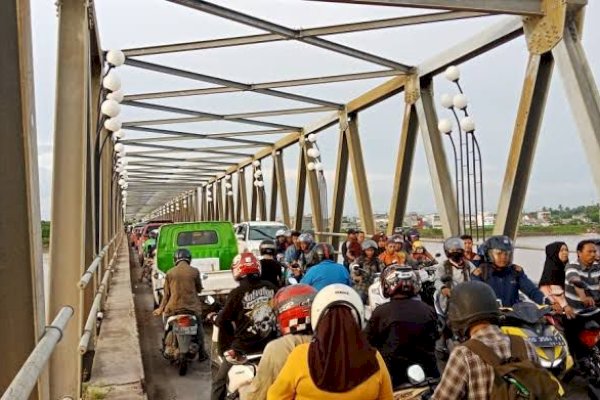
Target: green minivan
213,245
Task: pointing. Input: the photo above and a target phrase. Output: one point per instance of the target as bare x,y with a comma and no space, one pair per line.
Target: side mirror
209,300
437,255
446,279
292,281
415,374
240,236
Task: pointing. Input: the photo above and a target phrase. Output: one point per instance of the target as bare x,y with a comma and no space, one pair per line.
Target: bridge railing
23,383
25,380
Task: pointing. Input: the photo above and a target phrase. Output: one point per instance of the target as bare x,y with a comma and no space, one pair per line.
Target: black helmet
471,302
182,254
267,247
500,242
323,251
413,235
454,248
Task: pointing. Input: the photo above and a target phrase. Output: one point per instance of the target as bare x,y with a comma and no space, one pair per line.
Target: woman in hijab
339,362
552,282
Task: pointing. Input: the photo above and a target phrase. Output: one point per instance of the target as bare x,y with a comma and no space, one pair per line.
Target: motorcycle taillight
589,337
184,320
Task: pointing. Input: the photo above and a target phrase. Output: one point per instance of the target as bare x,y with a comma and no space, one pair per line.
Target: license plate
185,330
546,341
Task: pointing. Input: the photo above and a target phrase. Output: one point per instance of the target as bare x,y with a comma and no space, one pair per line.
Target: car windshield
197,238
264,232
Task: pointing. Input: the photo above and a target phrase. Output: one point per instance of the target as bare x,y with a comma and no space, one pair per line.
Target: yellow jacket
294,382
273,358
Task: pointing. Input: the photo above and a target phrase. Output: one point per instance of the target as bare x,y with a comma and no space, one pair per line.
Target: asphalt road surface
162,379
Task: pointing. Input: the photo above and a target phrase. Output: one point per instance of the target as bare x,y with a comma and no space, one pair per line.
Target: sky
491,82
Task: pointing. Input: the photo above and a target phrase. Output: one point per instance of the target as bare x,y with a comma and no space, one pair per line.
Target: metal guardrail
90,323
89,273
23,383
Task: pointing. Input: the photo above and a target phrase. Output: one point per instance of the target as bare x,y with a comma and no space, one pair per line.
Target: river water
530,251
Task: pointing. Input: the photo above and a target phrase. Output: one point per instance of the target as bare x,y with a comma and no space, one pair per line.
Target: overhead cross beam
271,27
228,117
303,33
207,116
519,7
224,137
225,82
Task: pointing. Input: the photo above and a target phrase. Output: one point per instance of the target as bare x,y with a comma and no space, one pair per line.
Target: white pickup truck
251,234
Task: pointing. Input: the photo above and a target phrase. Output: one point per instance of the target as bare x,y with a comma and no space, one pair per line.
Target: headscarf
554,268
340,357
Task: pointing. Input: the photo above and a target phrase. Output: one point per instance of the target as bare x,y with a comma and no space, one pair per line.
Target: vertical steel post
315,196
359,175
274,190
339,186
21,270
68,192
522,149
300,190
281,184
242,196
582,91
404,162
218,198
436,158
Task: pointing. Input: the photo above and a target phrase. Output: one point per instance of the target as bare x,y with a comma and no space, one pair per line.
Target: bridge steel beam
314,192
522,150
404,163
339,185
318,31
22,295
242,206
436,158
300,190
274,191
359,175
582,92
68,200
519,7
282,186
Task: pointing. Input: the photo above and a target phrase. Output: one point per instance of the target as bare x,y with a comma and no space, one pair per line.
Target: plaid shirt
467,376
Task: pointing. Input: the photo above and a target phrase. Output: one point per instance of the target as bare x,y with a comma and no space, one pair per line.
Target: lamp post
472,169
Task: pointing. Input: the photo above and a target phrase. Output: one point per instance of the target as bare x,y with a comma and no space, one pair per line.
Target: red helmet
292,308
245,265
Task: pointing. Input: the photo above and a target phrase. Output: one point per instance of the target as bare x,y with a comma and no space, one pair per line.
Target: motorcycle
536,324
179,344
427,275
420,387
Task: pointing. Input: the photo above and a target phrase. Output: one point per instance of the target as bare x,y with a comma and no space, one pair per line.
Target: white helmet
280,232
337,294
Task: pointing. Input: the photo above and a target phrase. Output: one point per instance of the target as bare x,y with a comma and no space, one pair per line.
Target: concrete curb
118,372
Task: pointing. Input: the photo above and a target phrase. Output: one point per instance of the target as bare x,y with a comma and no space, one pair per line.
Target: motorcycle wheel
183,365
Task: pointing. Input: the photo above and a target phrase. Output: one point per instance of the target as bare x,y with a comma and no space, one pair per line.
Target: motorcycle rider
338,363
270,269
351,249
281,241
368,265
292,250
180,294
381,240
326,271
507,279
391,256
247,317
404,330
292,309
150,243
456,267
470,255
582,289
473,314
306,243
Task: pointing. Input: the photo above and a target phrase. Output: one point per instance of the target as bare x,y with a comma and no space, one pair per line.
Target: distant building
433,221
544,216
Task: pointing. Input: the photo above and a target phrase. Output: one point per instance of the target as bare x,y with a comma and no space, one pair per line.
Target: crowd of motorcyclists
305,313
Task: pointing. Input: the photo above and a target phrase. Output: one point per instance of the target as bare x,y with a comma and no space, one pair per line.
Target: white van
251,234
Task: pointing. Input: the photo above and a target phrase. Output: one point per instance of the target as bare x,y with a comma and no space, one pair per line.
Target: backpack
517,377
